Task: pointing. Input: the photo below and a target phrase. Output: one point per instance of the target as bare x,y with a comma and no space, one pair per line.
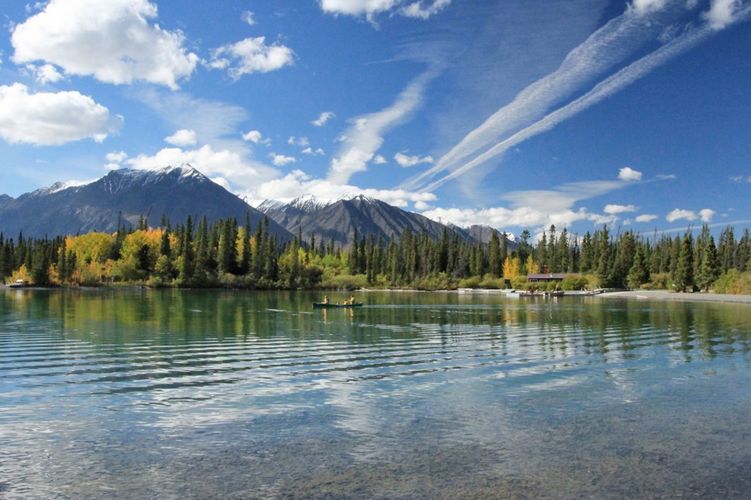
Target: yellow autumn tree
531,266
511,267
92,247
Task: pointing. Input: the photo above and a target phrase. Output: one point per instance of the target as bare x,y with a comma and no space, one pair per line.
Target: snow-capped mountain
338,221
126,194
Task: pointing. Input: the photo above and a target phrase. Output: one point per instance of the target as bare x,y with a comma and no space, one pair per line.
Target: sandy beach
680,297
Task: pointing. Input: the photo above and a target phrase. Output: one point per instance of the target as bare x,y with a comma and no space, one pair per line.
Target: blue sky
513,114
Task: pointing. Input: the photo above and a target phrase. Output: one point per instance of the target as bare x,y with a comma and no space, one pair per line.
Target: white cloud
248,18
182,138
232,166
251,55
112,41
503,217
323,119
116,156
316,152
422,206
298,141
646,218
628,174
540,208
255,137
45,73
281,160
705,214
722,13
647,6
406,161
363,139
679,214
297,183
424,10
371,8
52,118
618,209
379,160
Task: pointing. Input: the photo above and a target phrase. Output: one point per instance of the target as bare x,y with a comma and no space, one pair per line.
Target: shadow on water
137,393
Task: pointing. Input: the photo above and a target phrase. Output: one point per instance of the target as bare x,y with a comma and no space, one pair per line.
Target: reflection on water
193,394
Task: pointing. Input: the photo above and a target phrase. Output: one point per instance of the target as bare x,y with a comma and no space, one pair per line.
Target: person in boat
351,300
325,300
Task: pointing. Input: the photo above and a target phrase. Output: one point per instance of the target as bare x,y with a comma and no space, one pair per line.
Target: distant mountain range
176,192
127,195
338,221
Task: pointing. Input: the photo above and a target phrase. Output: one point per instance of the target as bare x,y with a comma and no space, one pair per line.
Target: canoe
321,305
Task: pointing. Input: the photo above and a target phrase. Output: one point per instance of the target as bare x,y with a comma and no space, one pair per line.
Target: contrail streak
604,89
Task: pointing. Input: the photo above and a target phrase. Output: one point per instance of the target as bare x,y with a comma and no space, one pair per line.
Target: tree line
227,254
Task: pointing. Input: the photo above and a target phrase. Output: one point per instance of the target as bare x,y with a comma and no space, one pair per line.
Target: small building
546,278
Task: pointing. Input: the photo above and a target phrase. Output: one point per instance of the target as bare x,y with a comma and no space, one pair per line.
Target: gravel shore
681,297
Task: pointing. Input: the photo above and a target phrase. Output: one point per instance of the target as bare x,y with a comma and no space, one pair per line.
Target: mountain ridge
124,195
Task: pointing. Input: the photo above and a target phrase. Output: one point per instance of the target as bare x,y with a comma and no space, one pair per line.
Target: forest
226,254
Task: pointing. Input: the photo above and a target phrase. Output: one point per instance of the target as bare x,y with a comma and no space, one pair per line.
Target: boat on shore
321,305
521,295
18,284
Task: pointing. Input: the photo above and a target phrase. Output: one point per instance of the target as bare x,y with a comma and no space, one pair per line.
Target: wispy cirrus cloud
362,140
526,115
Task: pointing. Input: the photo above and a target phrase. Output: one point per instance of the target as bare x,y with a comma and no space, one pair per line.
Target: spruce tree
494,255
684,272
639,272
709,268
186,266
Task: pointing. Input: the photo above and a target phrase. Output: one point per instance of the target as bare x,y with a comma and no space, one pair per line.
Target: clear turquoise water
136,394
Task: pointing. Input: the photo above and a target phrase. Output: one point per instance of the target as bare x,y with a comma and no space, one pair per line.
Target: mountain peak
126,195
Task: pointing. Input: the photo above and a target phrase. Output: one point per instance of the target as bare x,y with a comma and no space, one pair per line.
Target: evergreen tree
186,266
494,255
603,256
40,264
165,247
709,269
684,274
354,255
639,272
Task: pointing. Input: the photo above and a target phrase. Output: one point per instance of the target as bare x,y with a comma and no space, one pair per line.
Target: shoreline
669,296
655,295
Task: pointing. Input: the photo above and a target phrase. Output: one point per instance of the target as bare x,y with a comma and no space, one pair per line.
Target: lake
196,394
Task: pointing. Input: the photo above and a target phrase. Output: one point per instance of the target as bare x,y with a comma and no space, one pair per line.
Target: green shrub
733,282
519,282
440,281
488,281
575,282
345,281
658,281
471,282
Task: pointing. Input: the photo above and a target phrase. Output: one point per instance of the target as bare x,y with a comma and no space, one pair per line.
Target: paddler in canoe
350,302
